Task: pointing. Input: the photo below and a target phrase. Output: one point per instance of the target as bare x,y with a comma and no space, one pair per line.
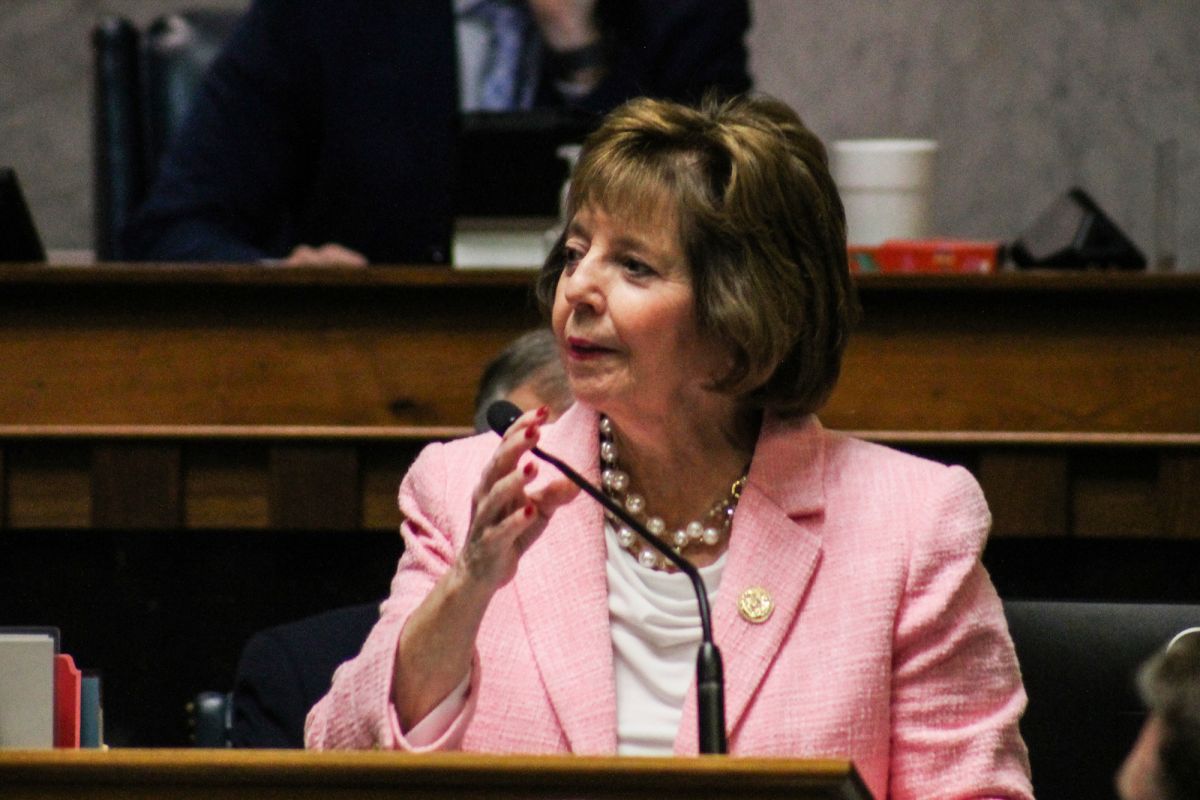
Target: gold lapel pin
755,605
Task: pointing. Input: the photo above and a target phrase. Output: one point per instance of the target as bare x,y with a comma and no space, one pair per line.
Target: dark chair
1078,661
143,86
210,719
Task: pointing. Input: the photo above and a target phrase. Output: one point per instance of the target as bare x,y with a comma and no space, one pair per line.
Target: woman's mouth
583,349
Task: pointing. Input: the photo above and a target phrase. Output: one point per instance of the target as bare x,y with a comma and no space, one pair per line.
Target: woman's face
624,315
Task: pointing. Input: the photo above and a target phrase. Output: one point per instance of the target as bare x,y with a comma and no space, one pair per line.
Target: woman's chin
600,398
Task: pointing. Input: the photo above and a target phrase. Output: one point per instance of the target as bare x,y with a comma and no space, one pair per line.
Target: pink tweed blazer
887,645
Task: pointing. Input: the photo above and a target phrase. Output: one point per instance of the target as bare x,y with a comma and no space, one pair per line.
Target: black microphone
710,678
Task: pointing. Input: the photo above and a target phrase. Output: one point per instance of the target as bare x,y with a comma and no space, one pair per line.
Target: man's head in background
528,373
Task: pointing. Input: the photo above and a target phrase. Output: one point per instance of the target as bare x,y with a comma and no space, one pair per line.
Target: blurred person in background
324,131
527,373
1164,763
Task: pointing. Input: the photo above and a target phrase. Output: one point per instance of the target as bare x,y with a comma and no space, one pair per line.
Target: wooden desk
249,345
218,774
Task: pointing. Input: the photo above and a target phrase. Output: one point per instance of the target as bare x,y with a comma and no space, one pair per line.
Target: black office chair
143,86
210,719
1078,661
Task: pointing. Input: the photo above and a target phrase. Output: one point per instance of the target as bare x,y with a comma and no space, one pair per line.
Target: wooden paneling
1117,492
315,486
1179,494
346,479
49,484
226,486
1023,352
243,345
136,485
188,477
1027,490
382,469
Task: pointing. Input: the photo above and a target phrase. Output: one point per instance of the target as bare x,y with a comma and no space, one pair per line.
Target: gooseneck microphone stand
710,678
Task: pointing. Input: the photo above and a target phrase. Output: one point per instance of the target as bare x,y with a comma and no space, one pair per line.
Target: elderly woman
701,300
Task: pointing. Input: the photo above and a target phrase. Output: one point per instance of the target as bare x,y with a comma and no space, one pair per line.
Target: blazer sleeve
957,694
358,713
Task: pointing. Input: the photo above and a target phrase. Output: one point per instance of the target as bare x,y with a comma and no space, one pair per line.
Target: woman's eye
635,267
572,254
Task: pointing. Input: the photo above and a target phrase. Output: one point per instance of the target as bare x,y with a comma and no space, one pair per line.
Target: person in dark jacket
325,134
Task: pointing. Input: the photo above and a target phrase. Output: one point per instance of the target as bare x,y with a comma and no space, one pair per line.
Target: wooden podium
296,775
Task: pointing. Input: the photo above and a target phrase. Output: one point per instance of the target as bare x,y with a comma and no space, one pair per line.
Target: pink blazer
887,644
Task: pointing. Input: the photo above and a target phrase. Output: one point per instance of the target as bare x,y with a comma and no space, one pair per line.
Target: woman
701,299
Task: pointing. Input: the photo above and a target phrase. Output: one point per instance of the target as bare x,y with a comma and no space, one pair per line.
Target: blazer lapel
562,590
774,546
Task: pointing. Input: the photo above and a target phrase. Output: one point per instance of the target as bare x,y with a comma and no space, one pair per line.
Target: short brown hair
761,225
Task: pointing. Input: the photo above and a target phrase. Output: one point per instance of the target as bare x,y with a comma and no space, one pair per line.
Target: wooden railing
345,478
249,345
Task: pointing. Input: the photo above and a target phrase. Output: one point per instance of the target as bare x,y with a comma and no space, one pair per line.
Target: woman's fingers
543,504
500,488
503,513
493,550
501,499
519,439
555,493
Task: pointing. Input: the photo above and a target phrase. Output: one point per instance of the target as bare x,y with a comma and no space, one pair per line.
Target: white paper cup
886,186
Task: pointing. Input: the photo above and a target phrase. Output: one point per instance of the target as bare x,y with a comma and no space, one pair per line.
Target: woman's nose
582,284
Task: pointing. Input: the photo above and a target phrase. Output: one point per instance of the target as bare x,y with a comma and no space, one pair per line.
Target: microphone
710,678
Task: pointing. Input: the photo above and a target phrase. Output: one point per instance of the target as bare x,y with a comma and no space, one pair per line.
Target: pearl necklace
709,529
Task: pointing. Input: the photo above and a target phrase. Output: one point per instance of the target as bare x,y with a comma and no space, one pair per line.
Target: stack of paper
502,243
26,689
45,701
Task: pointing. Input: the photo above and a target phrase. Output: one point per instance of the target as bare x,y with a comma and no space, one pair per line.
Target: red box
924,256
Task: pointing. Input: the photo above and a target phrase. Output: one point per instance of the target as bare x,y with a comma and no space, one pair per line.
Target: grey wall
1025,97
45,103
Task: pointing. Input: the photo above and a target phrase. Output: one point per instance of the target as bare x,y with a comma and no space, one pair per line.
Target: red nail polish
528,469
530,432
543,412
529,511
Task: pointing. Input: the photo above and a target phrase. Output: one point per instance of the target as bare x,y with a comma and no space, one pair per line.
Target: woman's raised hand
507,516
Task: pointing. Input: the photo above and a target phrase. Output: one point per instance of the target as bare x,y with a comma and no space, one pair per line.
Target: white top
655,633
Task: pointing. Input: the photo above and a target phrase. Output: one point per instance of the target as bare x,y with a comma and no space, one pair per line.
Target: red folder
927,256
67,683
